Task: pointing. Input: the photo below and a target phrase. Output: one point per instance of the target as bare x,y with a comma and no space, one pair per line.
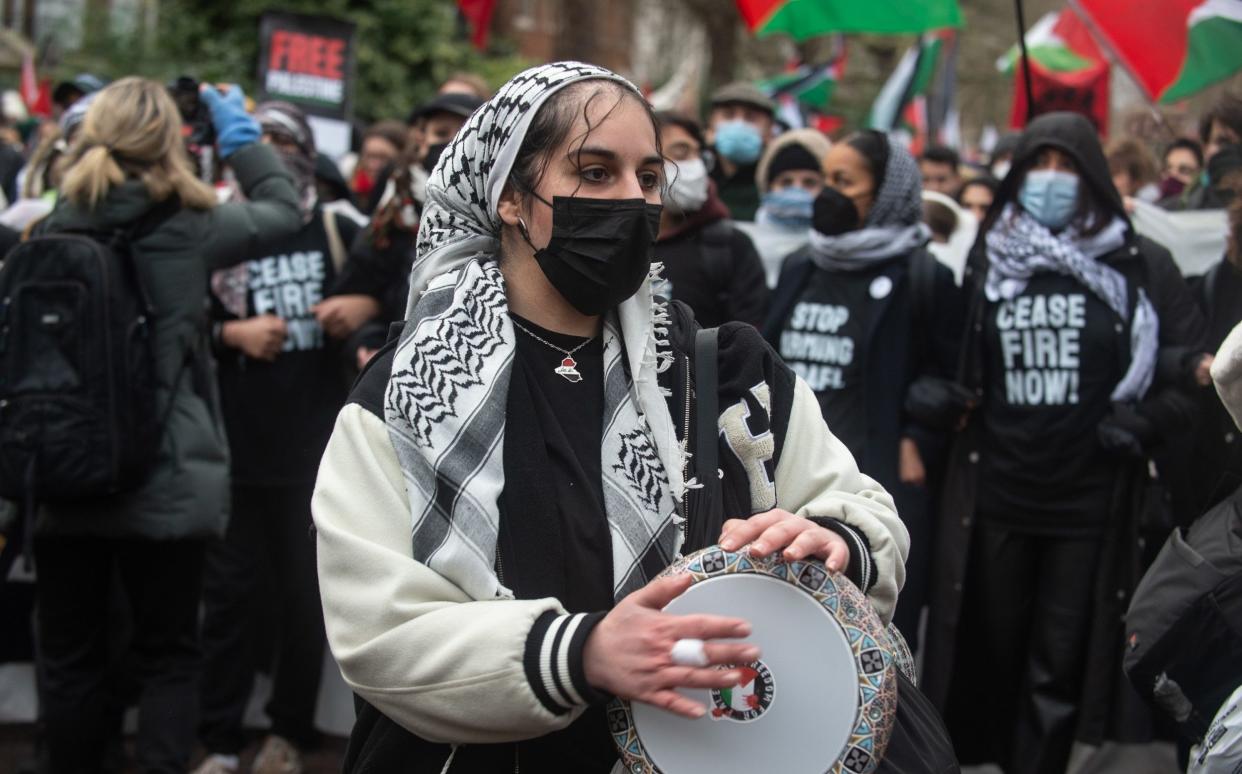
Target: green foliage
405,48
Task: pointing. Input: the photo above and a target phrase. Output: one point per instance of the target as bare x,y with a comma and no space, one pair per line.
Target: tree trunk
576,37
723,24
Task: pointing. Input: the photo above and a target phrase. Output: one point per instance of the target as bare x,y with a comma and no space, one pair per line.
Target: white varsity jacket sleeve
444,666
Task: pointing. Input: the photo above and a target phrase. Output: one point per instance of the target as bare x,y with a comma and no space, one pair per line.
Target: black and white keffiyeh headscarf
1019,247
446,399
894,224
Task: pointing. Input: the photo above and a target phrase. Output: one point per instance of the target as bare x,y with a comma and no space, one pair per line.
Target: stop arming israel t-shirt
1052,357
822,341
279,414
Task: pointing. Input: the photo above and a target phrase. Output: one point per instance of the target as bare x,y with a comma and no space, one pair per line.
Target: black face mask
600,250
433,155
834,213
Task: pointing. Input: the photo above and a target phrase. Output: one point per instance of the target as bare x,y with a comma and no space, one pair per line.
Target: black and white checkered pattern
1019,247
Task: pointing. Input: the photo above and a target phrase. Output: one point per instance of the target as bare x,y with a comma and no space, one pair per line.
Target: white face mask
1000,169
686,189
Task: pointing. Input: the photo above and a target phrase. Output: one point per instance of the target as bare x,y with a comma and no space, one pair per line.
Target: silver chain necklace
568,367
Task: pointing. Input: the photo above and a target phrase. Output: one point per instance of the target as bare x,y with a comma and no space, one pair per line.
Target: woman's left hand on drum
630,652
795,536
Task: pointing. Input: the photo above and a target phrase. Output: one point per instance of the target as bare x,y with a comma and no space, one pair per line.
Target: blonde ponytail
88,180
132,130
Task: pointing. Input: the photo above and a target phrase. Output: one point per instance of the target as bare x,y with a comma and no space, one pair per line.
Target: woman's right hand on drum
629,653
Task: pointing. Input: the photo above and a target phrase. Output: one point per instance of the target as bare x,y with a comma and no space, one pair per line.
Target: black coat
914,332
1107,699
904,349
715,270
1217,447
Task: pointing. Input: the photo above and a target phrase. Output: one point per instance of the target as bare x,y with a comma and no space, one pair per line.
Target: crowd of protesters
1014,381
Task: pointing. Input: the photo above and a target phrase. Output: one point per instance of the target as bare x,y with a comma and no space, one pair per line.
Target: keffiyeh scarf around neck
446,399
1019,247
893,227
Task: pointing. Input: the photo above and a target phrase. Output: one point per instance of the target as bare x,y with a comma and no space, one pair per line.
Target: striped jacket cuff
553,661
861,567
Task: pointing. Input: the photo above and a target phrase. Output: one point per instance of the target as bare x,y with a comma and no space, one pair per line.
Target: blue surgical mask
789,207
739,141
1050,196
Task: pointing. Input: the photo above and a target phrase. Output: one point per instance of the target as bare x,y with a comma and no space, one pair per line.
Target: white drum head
819,699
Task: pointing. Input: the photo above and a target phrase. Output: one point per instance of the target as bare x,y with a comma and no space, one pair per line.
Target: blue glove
235,128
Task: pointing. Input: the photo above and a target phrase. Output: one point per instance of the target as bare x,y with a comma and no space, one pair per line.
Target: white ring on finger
689,652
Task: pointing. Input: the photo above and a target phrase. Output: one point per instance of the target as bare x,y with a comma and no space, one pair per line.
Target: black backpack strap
707,413
123,239
706,449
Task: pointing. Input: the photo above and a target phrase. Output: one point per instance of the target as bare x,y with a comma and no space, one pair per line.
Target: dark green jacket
186,495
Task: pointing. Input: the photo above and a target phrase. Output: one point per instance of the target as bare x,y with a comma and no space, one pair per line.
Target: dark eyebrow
604,152
610,155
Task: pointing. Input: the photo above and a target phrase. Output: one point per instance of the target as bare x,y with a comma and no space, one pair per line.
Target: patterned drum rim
868,639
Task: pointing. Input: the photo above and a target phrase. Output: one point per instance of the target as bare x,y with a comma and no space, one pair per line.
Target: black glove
1125,432
938,404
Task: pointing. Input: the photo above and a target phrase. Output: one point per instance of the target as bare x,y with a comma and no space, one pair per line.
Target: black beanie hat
792,156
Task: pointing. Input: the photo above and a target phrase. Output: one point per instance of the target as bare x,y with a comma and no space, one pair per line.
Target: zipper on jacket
500,565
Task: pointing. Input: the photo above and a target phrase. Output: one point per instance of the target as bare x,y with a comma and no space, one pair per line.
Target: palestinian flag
478,15
802,19
811,85
1059,43
1173,48
901,107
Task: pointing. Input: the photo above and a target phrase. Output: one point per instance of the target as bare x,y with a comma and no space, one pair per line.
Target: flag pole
1026,61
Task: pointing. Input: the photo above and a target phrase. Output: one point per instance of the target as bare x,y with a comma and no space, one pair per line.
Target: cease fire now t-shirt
279,414
1052,357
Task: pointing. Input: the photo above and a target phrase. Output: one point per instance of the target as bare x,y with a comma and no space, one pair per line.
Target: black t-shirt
822,340
279,414
560,425
1052,358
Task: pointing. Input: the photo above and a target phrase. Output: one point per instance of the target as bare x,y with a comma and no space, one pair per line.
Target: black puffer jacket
187,493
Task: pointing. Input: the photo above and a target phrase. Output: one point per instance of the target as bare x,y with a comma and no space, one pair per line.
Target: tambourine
821,698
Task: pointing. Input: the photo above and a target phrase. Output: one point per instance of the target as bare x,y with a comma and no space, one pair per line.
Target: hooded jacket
1166,407
186,495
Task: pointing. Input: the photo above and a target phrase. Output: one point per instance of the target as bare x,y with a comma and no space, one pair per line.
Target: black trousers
1021,652
160,581
269,539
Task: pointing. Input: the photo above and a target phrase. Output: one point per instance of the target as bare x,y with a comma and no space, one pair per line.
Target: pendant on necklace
569,369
